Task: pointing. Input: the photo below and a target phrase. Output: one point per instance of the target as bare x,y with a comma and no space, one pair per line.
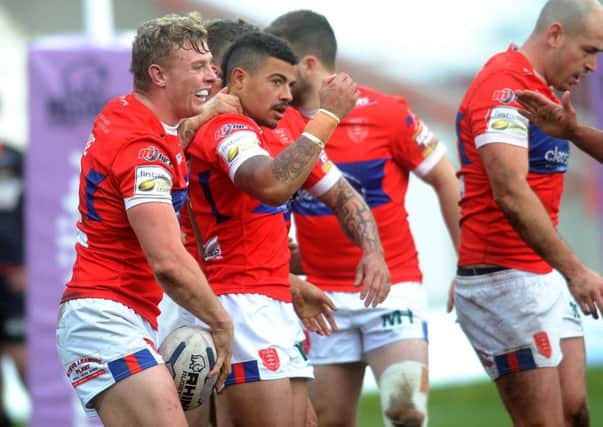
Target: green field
475,405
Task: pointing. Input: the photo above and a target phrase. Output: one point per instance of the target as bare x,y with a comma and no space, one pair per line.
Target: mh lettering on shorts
395,317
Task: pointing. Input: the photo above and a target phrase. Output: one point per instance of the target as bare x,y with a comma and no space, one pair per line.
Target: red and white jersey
375,147
488,114
130,158
245,241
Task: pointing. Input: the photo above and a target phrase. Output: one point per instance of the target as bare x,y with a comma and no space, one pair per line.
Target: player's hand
450,302
220,103
312,306
223,339
372,273
556,120
587,289
338,94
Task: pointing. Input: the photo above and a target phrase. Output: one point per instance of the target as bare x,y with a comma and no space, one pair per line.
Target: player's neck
533,53
164,114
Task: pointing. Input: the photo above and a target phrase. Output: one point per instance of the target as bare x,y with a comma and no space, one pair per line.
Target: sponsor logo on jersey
228,128
365,101
270,358
543,345
507,120
504,96
152,180
557,156
212,249
152,154
234,146
232,153
425,138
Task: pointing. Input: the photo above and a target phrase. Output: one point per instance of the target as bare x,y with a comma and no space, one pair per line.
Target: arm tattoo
354,216
296,161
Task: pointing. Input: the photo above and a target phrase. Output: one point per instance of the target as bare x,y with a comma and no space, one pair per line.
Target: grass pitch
475,405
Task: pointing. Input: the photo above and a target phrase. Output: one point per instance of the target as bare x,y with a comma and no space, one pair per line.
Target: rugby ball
189,354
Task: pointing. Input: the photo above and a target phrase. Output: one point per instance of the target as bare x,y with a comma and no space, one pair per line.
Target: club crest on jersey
228,128
357,130
283,135
152,153
504,96
270,358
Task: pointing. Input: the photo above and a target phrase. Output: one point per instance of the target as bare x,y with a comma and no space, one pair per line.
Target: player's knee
578,416
403,388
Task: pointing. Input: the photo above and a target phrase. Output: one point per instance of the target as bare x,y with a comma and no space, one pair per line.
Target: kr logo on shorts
270,358
543,344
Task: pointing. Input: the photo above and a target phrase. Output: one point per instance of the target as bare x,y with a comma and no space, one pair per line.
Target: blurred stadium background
426,51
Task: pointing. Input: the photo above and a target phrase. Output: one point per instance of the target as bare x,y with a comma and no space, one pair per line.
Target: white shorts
402,316
101,342
267,338
515,320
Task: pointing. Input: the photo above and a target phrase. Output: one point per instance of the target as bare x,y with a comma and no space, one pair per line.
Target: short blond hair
157,38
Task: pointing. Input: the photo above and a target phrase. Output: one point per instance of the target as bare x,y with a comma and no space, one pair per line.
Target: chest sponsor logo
152,154
504,96
152,180
543,344
270,358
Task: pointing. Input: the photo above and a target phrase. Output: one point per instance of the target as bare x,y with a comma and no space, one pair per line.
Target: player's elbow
506,199
275,196
165,268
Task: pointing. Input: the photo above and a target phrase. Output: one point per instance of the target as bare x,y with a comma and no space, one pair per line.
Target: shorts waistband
476,271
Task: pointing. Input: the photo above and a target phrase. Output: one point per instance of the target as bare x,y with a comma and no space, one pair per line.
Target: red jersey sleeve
493,114
145,171
414,145
228,141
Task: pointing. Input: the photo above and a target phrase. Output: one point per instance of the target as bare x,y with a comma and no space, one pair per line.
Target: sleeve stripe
130,202
493,137
326,183
427,165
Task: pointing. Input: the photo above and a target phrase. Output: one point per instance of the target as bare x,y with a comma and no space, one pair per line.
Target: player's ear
554,34
157,75
238,78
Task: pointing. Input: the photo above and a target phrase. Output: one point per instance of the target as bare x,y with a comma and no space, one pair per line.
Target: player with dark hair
238,196
375,146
